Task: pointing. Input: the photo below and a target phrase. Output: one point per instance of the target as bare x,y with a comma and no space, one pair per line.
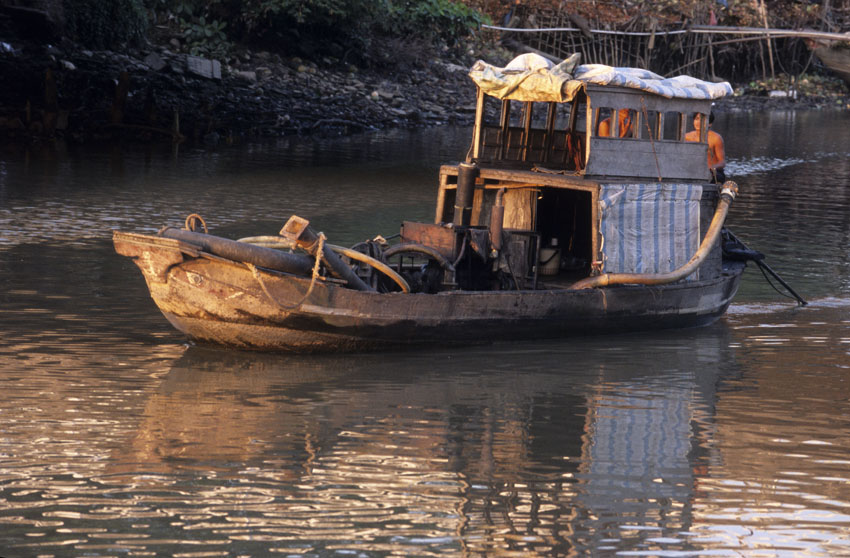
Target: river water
118,438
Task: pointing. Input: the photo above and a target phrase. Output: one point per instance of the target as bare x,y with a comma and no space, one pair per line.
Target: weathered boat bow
582,208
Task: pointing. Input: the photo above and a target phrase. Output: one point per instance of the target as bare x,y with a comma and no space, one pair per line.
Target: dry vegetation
755,64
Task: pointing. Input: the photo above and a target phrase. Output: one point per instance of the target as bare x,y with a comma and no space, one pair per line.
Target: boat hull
836,57
220,301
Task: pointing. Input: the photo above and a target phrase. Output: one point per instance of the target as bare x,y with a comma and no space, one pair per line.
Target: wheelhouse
577,203
526,134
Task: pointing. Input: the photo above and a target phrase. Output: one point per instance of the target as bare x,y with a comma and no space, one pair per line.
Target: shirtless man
716,149
625,118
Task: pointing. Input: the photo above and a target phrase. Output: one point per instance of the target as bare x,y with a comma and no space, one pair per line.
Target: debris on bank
788,92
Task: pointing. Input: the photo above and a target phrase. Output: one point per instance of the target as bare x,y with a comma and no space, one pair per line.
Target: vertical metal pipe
466,174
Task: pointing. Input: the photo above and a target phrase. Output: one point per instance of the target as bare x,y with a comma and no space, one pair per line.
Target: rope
572,29
774,287
192,220
280,243
256,273
651,140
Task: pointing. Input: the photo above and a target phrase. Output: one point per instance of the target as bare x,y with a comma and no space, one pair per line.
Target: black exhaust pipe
466,175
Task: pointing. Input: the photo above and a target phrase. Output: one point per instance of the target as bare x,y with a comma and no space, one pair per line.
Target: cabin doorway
564,222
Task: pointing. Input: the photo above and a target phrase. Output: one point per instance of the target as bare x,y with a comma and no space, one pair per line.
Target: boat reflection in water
422,454
778,475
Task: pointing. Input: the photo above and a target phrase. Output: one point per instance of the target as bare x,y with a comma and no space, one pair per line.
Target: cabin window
513,113
563,114
692,134
578,122
516,119
646,125
524,134
649,126
617,123
636,135
674,126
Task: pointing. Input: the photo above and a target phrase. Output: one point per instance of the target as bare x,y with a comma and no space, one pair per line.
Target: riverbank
89,95
84,95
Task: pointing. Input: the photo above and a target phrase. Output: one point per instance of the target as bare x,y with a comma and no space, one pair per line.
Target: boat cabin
593,178
555,136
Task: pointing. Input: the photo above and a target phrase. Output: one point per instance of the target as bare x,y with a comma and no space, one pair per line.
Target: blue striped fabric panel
649,228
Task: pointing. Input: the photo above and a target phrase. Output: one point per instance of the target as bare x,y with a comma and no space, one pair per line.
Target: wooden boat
547,229
835,55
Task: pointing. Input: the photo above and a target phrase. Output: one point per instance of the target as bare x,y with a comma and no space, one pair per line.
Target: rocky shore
84,95
87,95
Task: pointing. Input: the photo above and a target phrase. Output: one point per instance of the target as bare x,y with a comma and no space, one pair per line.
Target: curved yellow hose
379,265
268,241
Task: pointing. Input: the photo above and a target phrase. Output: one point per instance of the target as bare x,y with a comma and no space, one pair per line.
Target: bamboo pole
763,10
711,56
716,29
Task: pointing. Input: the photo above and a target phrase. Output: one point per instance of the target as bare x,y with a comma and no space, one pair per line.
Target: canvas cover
649,228
531,77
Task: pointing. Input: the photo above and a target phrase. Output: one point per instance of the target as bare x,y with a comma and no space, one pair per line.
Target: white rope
571,29
313,279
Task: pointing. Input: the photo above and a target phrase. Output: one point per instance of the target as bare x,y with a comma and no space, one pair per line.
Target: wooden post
504,124
479,121
526,129
550,127
591,129
711,56
763,10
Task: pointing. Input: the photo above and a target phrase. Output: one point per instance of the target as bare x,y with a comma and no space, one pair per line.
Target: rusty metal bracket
294,228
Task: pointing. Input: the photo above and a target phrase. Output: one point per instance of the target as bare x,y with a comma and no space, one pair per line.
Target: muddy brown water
118,438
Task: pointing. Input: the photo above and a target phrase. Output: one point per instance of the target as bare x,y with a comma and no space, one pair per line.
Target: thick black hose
297,264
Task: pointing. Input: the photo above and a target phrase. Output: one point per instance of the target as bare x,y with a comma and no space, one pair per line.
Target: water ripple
116,438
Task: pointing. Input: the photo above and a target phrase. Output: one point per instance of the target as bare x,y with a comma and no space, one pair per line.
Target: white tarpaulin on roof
649,228
531,77
528,77
679,87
